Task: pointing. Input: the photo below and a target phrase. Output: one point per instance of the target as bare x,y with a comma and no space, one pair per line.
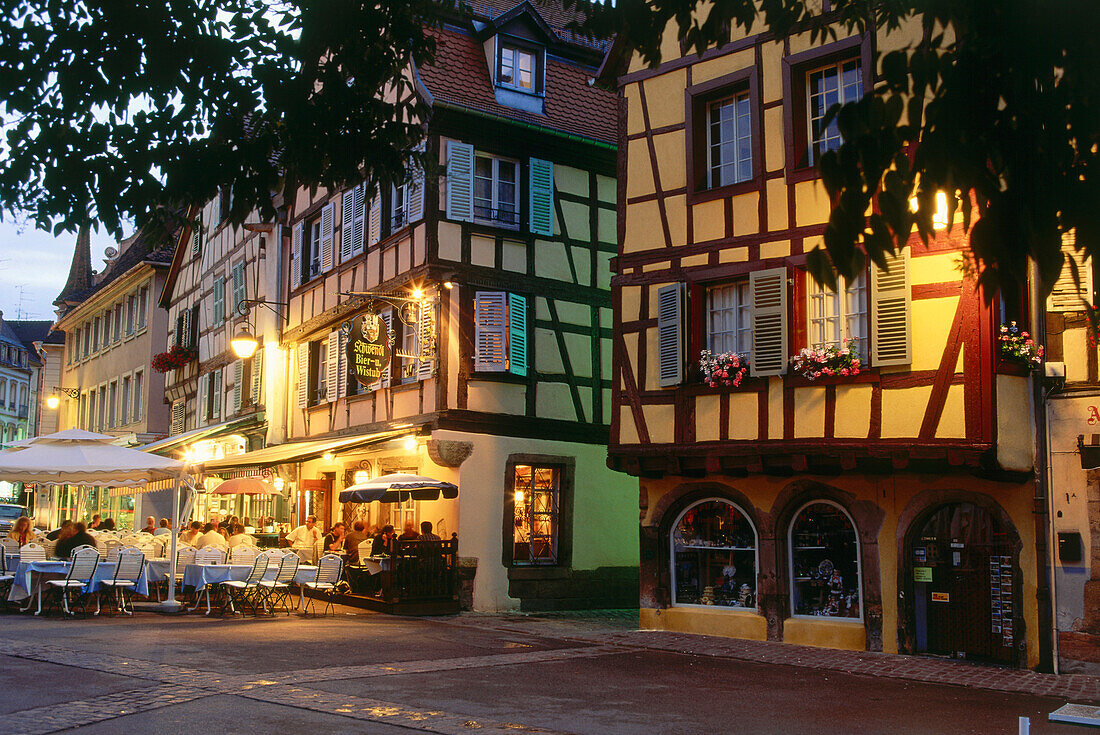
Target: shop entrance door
963,584
316,500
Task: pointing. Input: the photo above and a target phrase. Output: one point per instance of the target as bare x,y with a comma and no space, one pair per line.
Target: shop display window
714,556
825,573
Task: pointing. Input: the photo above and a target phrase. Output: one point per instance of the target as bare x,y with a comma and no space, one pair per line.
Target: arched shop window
824,553
714,556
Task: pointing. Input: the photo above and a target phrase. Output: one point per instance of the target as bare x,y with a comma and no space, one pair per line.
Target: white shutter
670,335
351,229
178,409
517,334
188,327
415,204
219,395
328,222
460,181
333,361
219,300
375,224
257,376
1068,294
342,378
295,258
387,317
240,293
200,400
303,375
490,326
891,329
238,385
196,236
541,187
768,291
426,341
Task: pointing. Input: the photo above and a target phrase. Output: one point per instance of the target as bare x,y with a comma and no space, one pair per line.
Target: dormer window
520,68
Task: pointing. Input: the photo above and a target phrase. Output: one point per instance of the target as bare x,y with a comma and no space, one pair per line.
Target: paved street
364,672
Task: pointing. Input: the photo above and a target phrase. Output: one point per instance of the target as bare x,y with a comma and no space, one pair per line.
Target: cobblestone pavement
469,673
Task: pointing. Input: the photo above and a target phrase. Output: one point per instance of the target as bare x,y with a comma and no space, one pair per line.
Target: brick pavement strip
55,717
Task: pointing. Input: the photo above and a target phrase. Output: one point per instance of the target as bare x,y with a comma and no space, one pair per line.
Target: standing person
21,531
381,545
334,539
165,527
150,525
94,525
305,537
409,534
64,548
426,532
356,536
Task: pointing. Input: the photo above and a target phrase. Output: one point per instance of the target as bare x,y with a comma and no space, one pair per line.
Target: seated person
426,532
211,537
381,545
52,535
164,529
80,537
240,538
192,533
352,540
108,524
334,539
409,534
150,525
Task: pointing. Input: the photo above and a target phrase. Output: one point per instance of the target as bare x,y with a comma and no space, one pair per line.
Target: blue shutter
460,181
517,334
541,187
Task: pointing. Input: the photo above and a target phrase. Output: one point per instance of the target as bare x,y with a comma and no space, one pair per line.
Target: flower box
830,361
173,359
723,370
1017,346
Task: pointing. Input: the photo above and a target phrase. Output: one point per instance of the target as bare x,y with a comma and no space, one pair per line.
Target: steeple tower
80,272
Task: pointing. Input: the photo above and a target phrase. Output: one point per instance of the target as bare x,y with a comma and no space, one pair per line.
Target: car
8,514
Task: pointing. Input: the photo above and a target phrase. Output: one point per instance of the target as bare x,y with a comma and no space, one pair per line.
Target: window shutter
342,377
177,417
415,204
1067,294
768,291
351,231
200,399
670,335
238,385
257,376
178,335
188,327
387,317
490,323
328,222
460,181
303,375
332,369
891,328
196,237
239,291
541,186
375,224
219,300
219,394
296,257
517,334
426,341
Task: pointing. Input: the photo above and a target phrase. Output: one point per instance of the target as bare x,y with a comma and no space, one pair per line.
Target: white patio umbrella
398,487
77,457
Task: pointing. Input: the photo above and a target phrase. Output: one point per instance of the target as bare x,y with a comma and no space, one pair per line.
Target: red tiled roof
551,11
460,76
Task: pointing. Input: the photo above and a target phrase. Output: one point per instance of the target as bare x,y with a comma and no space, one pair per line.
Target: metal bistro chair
242,555
32,552
84,562
277,590
328,574
128,568
184,555
247,591
208,555
112,547
6,579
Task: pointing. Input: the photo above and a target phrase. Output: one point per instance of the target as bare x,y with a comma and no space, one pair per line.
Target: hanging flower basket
1018,346
726,369
175,358
830,361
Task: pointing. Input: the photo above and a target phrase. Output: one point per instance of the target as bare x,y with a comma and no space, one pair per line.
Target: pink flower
855,371
844,371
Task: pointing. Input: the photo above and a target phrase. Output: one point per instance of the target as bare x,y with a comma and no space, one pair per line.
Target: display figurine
708,596
745,598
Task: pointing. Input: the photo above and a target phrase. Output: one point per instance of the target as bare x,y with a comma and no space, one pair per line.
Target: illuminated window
825,571
729,318
518,69
729,141
713,552
838,315
536,499
837,83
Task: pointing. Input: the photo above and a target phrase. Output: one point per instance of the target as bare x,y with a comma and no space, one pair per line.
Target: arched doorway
964,584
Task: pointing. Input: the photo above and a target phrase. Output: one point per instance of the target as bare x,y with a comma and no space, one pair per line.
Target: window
825,570
142,299
399,201
112,405
95,335
219,300
311,256
496,197
87,341
519,69
118,322
139,388
131,313
211,408
713,553
318,372
836,316
729,318
729,141
500,332
536,502
836,83
101,421
408,347
124,413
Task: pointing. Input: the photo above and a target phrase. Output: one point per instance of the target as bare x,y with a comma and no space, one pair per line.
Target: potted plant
829,361
1018,346
726,369
177,357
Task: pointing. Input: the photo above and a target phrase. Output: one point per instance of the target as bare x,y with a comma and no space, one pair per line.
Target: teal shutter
219,299
517,334
541,187
460,181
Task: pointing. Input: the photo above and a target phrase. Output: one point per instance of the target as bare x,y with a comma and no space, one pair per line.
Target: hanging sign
368,347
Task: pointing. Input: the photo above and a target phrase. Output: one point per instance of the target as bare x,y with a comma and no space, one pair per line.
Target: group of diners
340,540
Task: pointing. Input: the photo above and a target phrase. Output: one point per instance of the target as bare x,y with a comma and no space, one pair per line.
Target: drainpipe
1045,592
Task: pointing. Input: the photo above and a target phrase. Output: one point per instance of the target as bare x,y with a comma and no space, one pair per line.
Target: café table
200,576
31,578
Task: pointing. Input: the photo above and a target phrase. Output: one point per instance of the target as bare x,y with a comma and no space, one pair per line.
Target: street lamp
53,401
244,343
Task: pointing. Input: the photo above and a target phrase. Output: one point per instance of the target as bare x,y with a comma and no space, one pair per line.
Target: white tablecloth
375,564
200,575
30,575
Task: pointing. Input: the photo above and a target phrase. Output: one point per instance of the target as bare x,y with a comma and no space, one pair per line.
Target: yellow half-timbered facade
849,468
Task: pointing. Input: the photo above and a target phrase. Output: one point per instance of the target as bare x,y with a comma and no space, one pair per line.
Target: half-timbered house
489,272
883,504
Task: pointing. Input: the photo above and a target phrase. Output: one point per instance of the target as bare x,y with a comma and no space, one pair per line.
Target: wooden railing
421,570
